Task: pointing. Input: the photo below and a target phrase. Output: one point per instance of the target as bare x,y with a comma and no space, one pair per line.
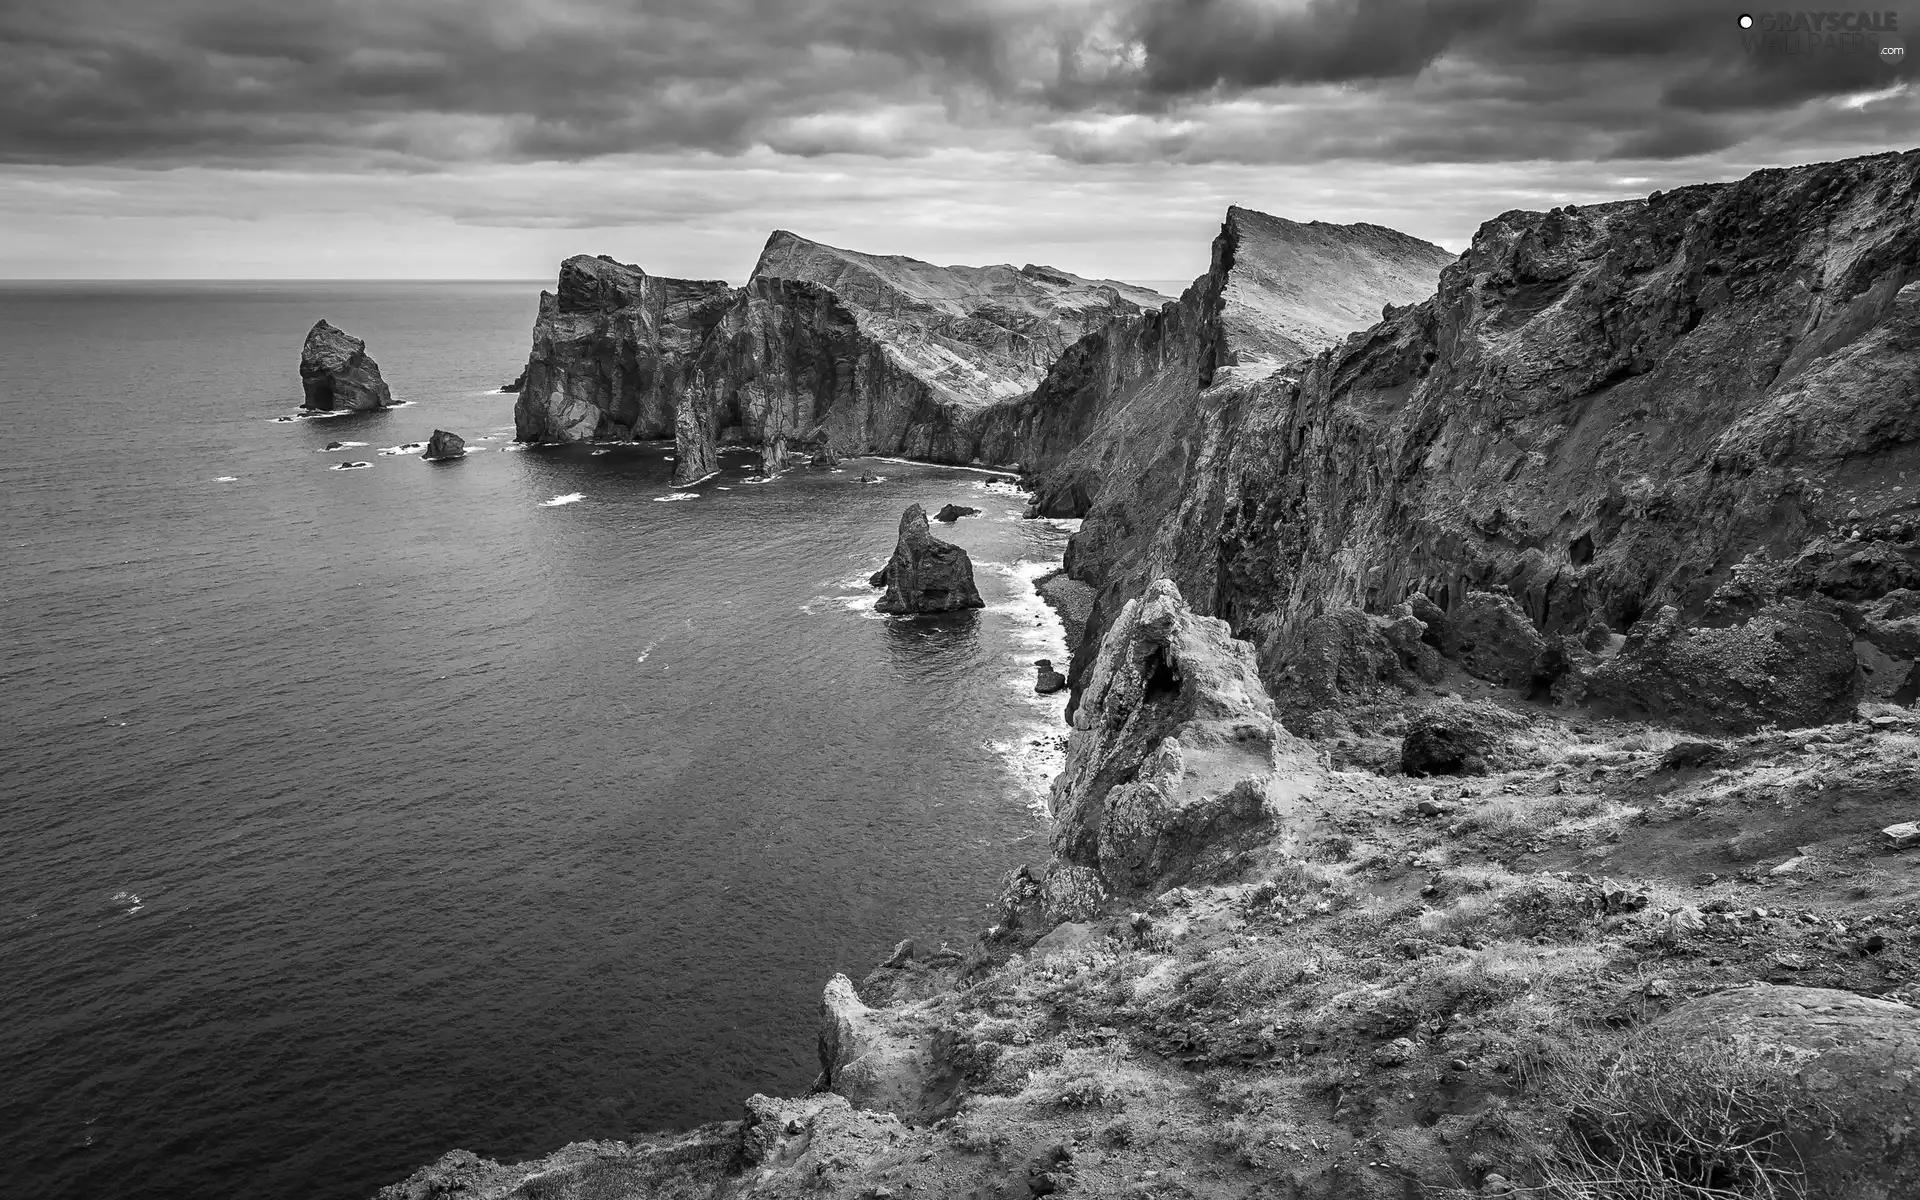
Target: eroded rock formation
1175,760
925,574
1703,401
336,375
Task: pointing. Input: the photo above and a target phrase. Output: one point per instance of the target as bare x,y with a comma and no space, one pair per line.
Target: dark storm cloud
421,82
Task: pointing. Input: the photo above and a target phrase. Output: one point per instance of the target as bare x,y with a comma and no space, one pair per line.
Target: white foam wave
701,480
948,466
349,466
557,501
509,449
723,489
408,448
647,651
760,479
676,496
1034,757
322,415
128,902
227,479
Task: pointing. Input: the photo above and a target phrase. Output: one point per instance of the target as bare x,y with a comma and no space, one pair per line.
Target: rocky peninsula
1493,756
336,375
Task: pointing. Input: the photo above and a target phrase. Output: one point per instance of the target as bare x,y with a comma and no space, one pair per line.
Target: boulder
1492,639
337,376
1844,1070
1456,737
1048,680
443,446
953,512
925,574
1176,763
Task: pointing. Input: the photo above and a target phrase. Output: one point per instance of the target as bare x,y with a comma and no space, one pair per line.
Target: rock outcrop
1046,680
443,446
925,574
1703,401
1176,762
337,376
1852,1062
612,350
696,455
832,350
953,512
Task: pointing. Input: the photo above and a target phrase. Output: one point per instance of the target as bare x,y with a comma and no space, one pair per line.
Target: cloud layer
416,84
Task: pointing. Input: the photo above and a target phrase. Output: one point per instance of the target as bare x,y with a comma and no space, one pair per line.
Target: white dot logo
1746,21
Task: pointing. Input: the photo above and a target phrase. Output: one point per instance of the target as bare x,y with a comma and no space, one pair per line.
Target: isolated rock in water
443,445
926,574
695,455
1456,737
1176,762
336,445
337,375
1851,1059
1048,680
953,512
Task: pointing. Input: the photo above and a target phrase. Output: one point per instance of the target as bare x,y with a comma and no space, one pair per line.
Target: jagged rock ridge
1692,419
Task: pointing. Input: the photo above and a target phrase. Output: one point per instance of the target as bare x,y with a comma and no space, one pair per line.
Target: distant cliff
836,351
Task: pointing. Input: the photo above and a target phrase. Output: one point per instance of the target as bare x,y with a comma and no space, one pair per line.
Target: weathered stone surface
695,454
1605,410
1456,737
837,351
444,446
1175,760
953,512
875,1066
1047,680
612,351
1855,1058
925,574
1491,637
336,375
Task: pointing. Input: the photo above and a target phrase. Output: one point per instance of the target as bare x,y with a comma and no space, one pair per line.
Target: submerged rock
926,575
337,376
953,512
1048,680
443,446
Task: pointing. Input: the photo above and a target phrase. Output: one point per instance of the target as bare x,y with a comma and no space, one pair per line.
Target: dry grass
1682,1120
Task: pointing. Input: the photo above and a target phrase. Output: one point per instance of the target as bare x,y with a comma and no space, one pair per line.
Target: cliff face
611,348
1707,401
844,352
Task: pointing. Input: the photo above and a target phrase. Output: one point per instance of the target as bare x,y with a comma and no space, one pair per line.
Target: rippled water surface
350,816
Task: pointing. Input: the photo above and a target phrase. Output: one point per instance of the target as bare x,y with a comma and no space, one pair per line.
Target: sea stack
694,455
1047,680
337,375
443,446
926,574
953,512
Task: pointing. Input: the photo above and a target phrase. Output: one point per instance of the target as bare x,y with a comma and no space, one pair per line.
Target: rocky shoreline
1479,719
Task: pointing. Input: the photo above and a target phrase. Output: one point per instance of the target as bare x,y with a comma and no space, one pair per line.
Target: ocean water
351,816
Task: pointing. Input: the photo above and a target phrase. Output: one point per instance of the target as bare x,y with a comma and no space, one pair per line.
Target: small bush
1678,1120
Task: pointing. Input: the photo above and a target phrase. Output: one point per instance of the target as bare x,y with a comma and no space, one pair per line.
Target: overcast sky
490,138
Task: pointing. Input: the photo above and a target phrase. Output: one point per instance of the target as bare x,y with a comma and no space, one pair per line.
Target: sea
356,808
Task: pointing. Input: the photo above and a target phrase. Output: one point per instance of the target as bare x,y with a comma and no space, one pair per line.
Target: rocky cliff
846,353
1690,420
337,375
842,351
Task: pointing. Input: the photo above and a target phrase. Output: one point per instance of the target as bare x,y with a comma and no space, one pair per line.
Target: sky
488,139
